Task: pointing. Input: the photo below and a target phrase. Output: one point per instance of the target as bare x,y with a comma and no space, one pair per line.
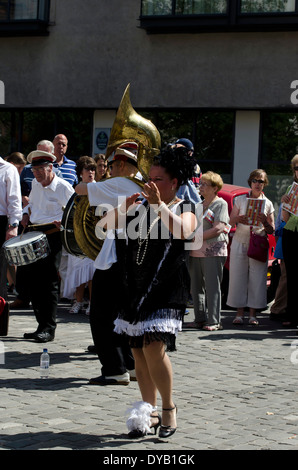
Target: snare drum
26,248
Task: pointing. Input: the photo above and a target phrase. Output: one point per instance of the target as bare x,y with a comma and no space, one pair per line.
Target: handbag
258,247
4,316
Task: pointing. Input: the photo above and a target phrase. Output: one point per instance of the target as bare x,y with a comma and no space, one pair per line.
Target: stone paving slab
236,389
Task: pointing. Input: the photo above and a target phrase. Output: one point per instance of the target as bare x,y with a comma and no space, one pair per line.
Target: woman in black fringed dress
156,285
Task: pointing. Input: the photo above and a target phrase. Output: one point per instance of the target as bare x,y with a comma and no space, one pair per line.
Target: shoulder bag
258,247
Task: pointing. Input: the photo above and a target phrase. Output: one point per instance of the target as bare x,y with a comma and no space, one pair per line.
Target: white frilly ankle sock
139,416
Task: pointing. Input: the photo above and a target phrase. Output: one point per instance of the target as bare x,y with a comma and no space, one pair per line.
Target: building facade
223,73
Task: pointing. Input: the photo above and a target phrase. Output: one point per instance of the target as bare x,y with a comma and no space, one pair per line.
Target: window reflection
214,7
156,7
16,10
4,10
201,7
183,7
23,10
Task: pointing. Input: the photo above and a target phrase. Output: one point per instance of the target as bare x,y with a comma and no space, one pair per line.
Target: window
196,7
279,144
184,7
158,16
268,6
214,142
21,130
24,17
151,7
212,134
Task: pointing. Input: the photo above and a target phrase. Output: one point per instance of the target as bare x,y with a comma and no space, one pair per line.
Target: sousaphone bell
128,126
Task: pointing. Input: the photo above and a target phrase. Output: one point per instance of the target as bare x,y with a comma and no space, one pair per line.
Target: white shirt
110,192
46,203
10,192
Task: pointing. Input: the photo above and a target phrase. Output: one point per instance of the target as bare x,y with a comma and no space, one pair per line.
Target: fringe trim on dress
167,321
164,329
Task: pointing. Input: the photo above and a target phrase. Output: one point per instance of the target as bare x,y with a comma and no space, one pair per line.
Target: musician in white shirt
10,198
10,212
48,196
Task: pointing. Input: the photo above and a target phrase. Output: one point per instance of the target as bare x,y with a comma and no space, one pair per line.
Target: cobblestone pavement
235,389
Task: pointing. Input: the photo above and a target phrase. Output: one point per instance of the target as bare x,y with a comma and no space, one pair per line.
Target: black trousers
44,285
113,350
290,253
22,282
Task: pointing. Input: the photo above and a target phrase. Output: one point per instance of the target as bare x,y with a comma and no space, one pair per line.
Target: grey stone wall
95,48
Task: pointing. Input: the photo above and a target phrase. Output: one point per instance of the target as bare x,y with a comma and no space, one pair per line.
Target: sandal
77,307
253,321
215,327
167,431
238,320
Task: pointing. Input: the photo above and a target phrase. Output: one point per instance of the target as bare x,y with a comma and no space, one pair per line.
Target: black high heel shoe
156,425
167,431
137,433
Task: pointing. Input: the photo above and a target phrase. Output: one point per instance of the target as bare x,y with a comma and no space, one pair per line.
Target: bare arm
81,189
235,218
181,226
285,215
217,229
115,218
268,222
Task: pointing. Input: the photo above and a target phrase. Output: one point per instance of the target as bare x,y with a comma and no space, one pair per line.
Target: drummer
48,195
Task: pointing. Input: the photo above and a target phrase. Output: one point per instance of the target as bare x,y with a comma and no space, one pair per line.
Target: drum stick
29,210
41,225
22,233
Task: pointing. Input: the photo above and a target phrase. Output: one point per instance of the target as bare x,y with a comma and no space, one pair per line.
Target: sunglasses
90,168
257,181
296,168
38,169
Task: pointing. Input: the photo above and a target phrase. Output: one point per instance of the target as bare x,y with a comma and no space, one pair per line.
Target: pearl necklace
140,258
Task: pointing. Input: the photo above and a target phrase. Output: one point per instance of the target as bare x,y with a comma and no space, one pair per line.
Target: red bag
4,317
258,247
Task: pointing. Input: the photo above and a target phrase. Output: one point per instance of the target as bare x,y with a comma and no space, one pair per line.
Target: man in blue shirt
66,166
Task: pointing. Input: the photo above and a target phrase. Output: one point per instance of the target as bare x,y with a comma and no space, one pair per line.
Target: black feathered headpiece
177,162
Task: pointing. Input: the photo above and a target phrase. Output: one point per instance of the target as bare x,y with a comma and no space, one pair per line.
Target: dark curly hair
85,162
177,162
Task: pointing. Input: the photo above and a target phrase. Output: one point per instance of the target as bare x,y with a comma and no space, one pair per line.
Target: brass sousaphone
128,126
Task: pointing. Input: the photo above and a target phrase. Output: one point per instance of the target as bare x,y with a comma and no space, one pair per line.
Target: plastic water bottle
44,364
